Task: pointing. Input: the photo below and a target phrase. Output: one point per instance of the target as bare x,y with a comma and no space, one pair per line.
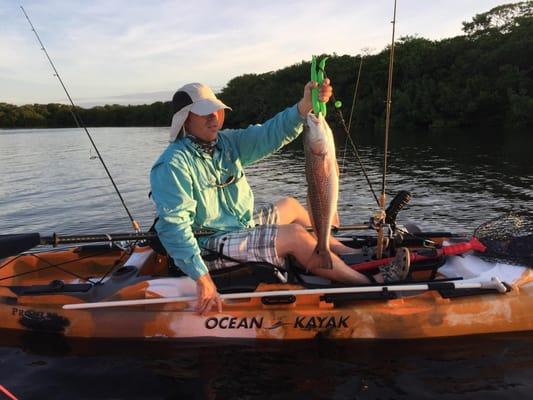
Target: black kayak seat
244,277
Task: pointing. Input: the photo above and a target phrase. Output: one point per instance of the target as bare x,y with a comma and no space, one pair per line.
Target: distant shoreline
481,79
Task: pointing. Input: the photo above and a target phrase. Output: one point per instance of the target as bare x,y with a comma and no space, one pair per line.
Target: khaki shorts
248,245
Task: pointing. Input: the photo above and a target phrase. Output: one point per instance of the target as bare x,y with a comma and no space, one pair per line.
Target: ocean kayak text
314,322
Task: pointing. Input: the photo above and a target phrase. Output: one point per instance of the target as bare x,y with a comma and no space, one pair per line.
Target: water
459,180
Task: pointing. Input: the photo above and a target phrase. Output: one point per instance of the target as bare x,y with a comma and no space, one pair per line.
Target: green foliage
484,78
500,19
60,115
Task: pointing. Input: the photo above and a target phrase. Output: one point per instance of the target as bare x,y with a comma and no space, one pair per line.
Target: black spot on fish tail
320,259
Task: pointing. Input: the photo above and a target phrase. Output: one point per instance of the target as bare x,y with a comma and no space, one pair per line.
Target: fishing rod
81,125
382,214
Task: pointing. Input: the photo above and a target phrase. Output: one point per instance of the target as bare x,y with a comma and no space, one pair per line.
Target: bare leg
290,211
294,240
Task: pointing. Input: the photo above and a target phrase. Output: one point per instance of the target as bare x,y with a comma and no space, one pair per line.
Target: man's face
205,127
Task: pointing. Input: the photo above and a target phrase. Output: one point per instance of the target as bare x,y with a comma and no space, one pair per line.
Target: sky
135,52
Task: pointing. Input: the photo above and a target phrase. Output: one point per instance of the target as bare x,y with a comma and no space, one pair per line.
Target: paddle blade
11,245
508,238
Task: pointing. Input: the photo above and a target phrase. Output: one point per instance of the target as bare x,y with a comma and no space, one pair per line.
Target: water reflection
446,368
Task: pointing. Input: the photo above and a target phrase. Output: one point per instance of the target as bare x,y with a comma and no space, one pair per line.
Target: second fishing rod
80,124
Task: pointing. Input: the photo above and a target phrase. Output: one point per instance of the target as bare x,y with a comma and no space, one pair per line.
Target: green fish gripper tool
318,75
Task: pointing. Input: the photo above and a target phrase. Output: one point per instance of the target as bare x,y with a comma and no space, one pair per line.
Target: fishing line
356,89
352,142
80,124
355,151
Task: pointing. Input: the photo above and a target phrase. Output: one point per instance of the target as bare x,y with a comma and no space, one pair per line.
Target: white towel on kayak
474,269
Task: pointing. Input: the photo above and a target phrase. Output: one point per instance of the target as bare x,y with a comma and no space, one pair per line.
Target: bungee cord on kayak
81,125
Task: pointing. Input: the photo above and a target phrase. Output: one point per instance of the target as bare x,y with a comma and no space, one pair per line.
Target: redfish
322,174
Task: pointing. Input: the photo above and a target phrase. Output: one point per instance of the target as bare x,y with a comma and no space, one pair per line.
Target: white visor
204,102
207,106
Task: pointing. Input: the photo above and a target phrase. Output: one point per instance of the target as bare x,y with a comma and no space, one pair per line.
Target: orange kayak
102,292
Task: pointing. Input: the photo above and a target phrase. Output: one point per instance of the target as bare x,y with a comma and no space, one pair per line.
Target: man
199,183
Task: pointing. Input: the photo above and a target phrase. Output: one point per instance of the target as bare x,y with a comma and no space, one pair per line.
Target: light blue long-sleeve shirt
189,190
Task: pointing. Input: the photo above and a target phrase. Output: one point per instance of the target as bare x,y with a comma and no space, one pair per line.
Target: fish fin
321,258
327,168
318,151
311,214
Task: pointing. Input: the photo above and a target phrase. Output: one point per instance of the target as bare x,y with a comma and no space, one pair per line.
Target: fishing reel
397,203
388,217
384,222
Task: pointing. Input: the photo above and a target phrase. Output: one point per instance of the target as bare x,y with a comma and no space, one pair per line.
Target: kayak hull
413,315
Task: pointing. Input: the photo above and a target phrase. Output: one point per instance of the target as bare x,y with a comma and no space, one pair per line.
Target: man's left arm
258,141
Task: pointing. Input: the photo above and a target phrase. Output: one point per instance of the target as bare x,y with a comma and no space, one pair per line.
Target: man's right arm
172,193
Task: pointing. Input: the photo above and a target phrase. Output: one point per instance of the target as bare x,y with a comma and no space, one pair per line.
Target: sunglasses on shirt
231,179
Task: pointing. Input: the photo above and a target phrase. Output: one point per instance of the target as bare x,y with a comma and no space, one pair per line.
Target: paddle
508,239
11,245
494,284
